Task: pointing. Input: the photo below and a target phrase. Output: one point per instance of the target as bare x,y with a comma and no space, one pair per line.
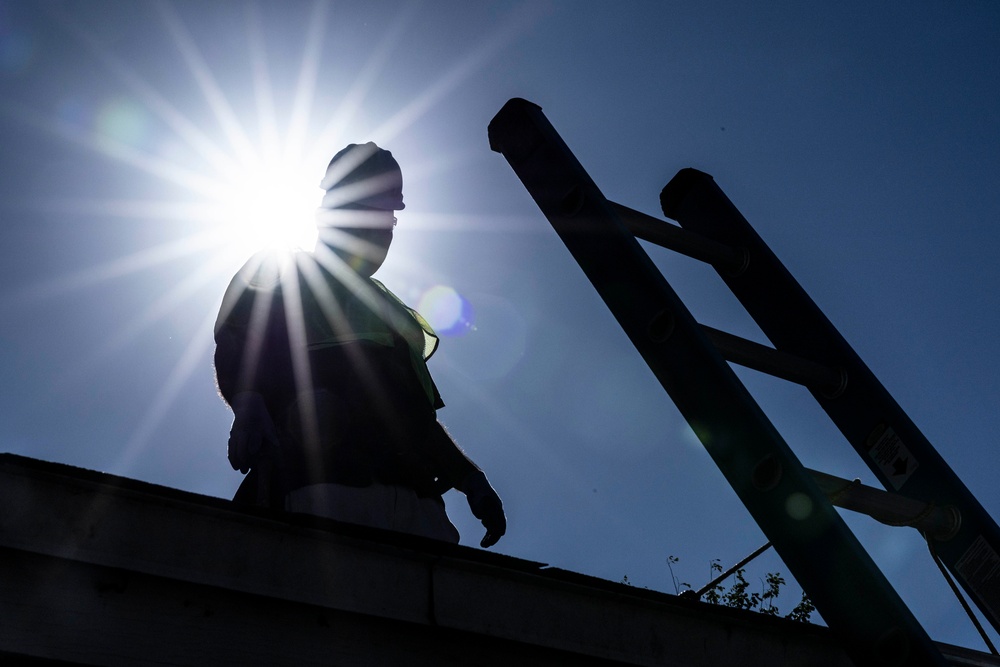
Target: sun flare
242,164
270,205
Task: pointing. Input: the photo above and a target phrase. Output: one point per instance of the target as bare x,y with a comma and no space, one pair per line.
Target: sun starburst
251,183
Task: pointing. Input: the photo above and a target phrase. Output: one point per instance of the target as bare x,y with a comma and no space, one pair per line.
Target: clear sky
858,138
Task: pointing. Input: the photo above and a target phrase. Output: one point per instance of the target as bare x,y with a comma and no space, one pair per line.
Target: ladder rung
831,382
730,260
939,523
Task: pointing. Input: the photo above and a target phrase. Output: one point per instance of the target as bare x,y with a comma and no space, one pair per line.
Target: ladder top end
515,106
678,187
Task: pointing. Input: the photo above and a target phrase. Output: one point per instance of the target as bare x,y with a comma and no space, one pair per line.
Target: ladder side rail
808,533
876,426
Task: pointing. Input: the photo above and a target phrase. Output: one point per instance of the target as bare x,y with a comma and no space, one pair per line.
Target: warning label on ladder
980,567
891,455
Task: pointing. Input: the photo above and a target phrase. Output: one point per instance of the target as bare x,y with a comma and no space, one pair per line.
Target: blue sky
859,140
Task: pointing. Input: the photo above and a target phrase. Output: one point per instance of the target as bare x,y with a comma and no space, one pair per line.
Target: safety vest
333,310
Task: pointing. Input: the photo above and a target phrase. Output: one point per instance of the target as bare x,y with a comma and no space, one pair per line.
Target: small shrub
803,610
738,595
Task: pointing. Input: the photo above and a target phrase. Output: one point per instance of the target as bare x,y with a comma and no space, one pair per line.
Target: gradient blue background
860,139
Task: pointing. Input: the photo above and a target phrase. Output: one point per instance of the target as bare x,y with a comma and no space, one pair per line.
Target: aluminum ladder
691,363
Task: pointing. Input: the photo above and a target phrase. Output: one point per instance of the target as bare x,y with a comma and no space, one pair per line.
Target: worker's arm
253,435
253,432
468,478
242,324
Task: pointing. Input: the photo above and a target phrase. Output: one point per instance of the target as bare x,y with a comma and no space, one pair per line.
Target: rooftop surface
105,570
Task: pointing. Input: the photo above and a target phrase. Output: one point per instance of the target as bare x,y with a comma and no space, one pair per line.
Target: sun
243,177
269,205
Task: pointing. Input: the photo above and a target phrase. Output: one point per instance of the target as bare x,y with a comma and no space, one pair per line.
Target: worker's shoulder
267,269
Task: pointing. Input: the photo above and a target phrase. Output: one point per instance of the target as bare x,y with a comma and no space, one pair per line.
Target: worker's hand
486,506
253,431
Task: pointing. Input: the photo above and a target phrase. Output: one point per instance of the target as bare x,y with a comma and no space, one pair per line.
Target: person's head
364,189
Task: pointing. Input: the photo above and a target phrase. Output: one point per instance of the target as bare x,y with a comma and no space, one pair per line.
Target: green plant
714,593
773,582
673,577
739,595
803,610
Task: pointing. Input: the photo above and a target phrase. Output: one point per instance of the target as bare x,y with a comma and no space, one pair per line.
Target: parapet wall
98,569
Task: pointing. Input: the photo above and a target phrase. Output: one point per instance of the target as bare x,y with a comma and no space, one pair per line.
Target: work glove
253,433
486,506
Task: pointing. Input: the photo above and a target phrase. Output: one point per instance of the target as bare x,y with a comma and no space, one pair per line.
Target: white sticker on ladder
891,456
980,567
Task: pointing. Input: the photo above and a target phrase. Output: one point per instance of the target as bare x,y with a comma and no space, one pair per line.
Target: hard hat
363,175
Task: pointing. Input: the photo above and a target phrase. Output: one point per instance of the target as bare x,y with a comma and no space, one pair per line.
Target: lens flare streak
191,359
243,189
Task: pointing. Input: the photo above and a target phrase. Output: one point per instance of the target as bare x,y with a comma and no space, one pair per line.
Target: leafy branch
739,595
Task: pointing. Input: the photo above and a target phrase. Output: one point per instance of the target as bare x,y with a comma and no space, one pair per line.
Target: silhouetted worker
324,368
